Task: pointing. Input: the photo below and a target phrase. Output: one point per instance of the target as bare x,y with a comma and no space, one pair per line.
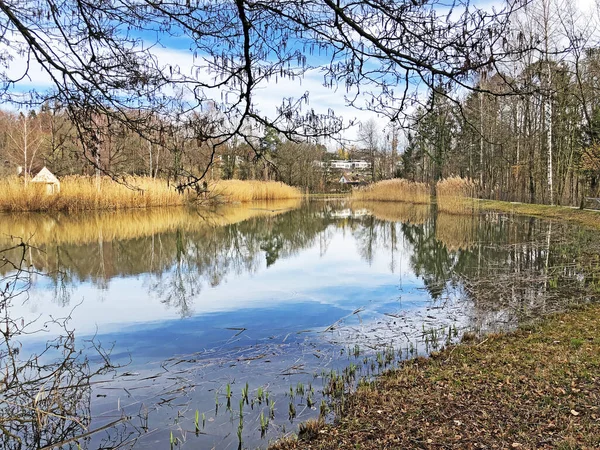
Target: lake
226,328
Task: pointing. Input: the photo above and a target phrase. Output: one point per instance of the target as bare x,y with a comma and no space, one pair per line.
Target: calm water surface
192,304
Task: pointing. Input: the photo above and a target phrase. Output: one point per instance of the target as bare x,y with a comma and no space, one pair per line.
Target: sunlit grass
79,193
396,190
250,190
456,195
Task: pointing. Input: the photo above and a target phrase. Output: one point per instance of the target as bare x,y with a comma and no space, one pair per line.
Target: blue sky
175,51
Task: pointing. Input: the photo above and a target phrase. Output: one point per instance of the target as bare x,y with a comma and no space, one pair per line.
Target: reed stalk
396,190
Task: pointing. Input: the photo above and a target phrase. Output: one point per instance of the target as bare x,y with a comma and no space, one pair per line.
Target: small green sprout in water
259,395
245,393
264,424
356,351
309,401
203,420
240,430
323,408
272,410
291,392
351,370
300,389
241,408
197,421
380,361
292,411
228,395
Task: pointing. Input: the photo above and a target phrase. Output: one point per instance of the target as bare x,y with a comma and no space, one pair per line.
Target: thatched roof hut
49,180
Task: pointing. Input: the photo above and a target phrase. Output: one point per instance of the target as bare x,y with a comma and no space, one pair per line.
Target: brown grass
396,190
537,388
229,191
79,193
456,195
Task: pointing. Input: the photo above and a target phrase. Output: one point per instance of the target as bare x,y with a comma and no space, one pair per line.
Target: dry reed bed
41,228
80,193
396,190
456,195
229,191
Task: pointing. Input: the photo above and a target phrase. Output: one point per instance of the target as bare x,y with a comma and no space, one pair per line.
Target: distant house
348,178
47,178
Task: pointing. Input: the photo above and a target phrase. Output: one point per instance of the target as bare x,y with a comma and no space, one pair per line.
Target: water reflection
271,294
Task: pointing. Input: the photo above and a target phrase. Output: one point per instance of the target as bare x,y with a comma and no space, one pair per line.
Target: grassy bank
83,193
583,217
538,387
396,190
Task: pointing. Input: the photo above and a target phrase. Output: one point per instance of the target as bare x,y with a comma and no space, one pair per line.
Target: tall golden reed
395,190
78,193
229,191
457,196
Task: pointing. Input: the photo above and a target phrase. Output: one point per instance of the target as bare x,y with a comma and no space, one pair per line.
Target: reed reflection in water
285,282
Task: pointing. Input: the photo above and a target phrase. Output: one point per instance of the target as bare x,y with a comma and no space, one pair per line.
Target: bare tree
369,137
103,58
26,136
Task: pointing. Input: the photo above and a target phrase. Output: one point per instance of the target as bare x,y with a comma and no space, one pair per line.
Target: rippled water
281,296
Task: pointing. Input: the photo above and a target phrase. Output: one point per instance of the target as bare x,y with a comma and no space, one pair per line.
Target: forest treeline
529,132
524,128
48,138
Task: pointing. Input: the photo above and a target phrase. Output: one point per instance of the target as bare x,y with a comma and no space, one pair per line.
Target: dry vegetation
230,191
456,195
537,388
396,190
81,193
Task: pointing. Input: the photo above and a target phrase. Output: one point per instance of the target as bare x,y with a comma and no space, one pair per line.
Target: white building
343,164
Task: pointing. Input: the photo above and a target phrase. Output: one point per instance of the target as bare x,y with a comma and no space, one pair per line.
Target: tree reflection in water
45,395
188,253
502,268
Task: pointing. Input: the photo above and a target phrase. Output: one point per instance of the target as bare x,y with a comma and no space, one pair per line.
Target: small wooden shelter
48,179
